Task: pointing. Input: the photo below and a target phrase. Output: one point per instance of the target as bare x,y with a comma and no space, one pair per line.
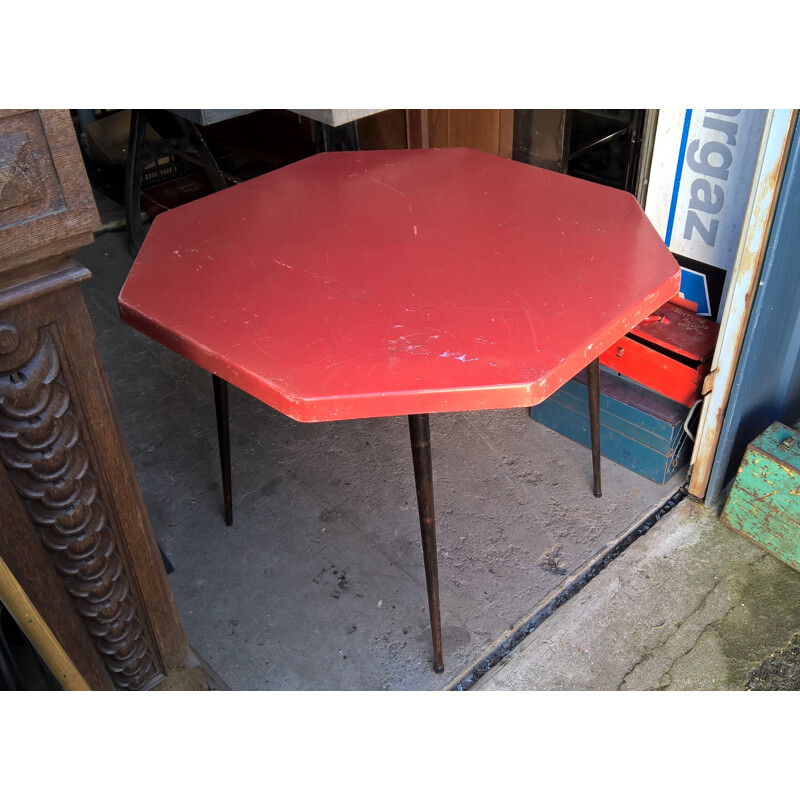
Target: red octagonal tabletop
361,284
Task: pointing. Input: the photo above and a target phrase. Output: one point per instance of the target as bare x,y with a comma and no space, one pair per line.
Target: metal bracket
708,382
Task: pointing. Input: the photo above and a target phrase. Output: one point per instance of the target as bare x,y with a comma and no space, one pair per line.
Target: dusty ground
690,606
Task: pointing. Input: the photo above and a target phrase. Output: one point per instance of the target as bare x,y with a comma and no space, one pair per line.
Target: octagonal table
365,284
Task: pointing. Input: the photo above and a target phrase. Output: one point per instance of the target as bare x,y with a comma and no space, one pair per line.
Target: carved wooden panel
46,206
74,529
29,185
43,448
20,182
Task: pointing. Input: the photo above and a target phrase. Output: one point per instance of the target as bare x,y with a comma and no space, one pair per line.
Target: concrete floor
319,583
691,605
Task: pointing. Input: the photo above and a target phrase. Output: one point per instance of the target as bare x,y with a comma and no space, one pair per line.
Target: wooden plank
490,130
385,131
39,634
417,128
438,128
476,128
505,145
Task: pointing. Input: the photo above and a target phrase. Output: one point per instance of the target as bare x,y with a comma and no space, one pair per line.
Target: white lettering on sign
712,160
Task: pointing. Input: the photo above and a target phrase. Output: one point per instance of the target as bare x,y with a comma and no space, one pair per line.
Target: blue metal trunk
639,429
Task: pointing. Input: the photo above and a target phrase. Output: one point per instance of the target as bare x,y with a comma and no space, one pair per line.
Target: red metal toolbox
670,352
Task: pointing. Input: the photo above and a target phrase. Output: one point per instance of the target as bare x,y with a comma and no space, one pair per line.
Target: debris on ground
779,672
551,560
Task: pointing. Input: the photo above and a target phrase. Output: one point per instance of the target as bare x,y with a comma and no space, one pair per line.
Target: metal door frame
773,154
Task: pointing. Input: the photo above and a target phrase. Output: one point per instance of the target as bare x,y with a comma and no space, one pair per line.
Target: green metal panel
764,503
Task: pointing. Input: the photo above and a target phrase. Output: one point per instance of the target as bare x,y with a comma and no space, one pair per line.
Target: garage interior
318,584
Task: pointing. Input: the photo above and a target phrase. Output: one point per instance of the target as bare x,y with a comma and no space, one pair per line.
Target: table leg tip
597,493
438,670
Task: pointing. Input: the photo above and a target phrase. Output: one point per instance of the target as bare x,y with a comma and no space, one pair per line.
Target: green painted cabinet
764,503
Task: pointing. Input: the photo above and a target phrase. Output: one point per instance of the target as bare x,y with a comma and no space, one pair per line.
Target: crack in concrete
676,634
685,628
713,625
645,656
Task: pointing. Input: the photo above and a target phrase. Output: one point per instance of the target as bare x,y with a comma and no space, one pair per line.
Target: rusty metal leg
224,437
593,382
419,428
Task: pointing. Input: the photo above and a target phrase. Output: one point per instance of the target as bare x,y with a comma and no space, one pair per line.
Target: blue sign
694,287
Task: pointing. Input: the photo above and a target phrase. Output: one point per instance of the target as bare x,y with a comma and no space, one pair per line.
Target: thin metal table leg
224,437
593,382
419,428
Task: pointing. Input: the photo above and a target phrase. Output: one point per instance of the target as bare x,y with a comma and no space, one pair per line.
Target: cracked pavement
692,605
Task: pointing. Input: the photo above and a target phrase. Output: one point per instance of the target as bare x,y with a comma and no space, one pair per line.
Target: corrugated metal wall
767,383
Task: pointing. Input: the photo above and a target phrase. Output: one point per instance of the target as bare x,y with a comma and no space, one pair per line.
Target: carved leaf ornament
42,447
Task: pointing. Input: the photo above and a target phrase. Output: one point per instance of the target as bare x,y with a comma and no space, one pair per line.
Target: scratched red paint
380,283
